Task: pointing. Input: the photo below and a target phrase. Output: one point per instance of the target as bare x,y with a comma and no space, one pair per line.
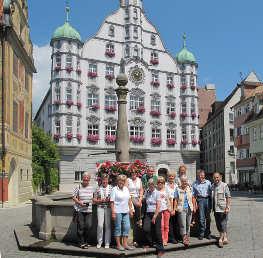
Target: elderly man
150,174
202,190
221,205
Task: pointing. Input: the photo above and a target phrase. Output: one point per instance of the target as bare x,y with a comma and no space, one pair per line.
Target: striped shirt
103,193
84,194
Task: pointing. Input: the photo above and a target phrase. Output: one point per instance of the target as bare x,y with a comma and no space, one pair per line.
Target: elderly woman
153,218
83,198
149,174
171,186
136,194
102,199
185,205
165,208
221,206
182,171
121,208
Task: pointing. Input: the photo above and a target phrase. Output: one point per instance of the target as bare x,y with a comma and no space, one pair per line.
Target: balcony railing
251,162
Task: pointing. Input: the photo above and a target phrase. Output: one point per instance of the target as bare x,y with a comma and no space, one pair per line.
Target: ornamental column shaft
122,140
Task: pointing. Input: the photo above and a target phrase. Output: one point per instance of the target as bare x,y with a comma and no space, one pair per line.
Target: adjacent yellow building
16,69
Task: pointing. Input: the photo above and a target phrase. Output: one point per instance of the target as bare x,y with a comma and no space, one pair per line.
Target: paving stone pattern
245,231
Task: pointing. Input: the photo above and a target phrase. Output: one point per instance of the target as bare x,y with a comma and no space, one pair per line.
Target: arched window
69,92
111,31
193,109
57,91
57,125
69,60
68,124
184,106
136,51
135,13
127,51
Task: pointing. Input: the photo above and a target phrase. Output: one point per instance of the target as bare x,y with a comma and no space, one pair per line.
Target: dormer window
153,40
154,58
111,31
127,32
109,50
135,32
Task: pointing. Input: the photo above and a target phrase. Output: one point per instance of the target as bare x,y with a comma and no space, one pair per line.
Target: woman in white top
171,186
121,208
165,208
136,193
83,199
102,199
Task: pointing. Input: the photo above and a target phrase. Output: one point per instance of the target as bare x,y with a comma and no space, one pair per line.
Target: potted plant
154,61
69,69
155,83
93,138
69,136
95,107
140,109
156,141
183,115
155,113
56,136
170,86
109,77
92,74
69,103
110,139
171,141
172,114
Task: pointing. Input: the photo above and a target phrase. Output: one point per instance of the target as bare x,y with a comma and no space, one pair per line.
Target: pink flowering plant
155,83
184,142
195,142
194,115
155,113
92,74
56,136
171,141
93,138
79,137
170,85
154,61
109,77
95,107
110,53
69,136
69,103
110,109
57,102
172,114
156,141
69,69
57,68
110,139
137,139
140,109
183,87
192,87
183,115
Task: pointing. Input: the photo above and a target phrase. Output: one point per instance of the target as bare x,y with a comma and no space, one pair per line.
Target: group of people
161,209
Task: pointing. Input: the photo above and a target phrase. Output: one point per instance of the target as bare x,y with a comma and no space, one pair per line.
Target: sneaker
208,237
98,246
107,246
129,247
121,248
200,237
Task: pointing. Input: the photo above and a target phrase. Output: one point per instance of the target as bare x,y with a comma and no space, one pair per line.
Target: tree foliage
45,159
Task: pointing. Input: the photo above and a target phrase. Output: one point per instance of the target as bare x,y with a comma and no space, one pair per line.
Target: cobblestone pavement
245,232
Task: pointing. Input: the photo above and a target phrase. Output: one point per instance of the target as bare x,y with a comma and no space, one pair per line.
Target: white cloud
42,59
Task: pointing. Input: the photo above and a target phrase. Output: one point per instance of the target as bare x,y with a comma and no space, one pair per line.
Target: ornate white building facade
80,108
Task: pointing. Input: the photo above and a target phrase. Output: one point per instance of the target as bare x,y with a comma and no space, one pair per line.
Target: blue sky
225,36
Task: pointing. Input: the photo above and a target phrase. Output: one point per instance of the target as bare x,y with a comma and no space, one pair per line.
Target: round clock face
137,75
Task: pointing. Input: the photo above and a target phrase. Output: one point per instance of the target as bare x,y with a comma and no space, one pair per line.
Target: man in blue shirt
203,193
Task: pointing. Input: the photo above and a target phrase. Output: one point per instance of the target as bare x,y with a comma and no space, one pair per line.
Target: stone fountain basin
52,218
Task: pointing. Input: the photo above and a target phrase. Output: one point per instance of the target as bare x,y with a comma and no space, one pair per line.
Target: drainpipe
3,38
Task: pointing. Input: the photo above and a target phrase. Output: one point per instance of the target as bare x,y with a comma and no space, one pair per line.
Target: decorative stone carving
156,124
93,120
92,88
137,121
137,92
171,125
111,121
110,91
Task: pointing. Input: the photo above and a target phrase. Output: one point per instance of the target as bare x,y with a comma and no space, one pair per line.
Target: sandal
220,243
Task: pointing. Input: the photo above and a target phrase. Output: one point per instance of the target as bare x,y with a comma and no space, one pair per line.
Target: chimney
122,3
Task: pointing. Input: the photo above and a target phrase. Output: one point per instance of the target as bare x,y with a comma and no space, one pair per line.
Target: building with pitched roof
80,109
